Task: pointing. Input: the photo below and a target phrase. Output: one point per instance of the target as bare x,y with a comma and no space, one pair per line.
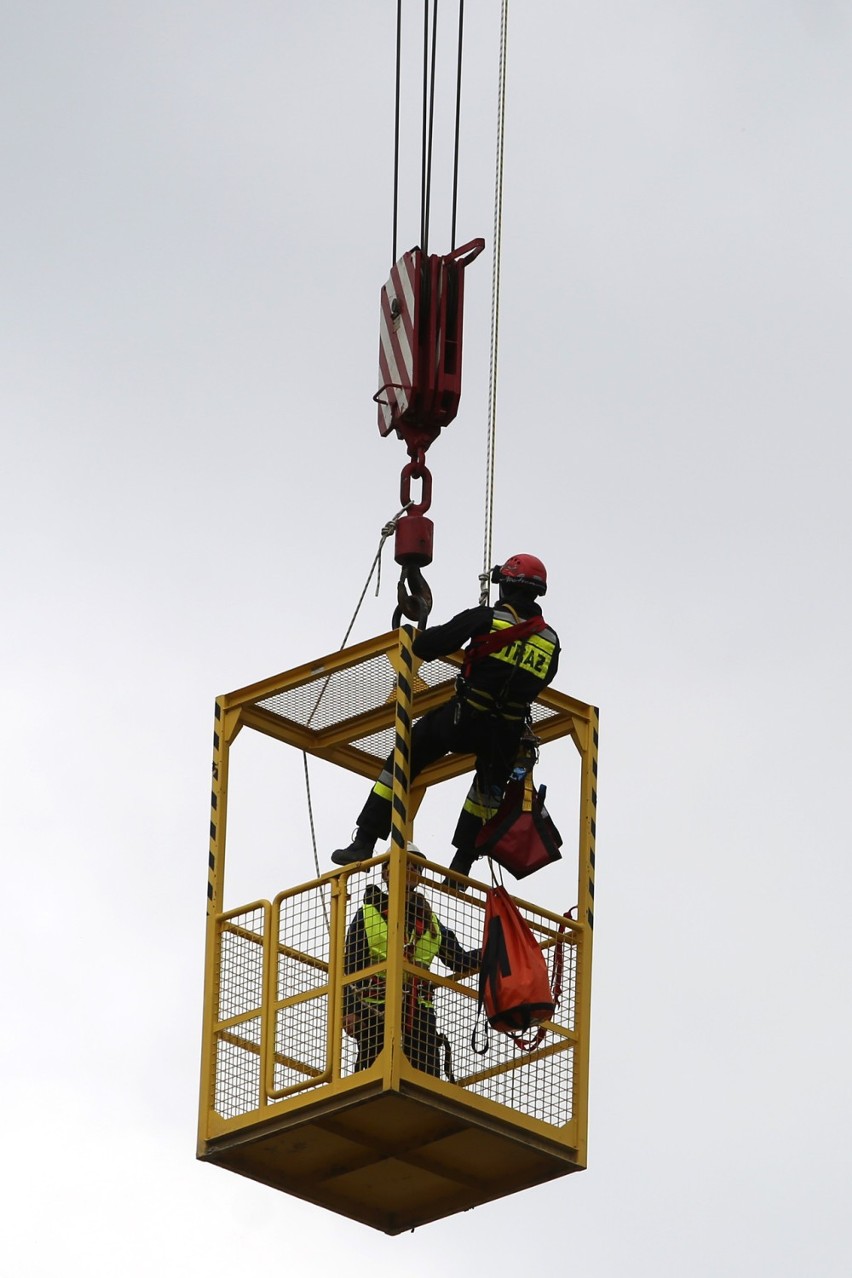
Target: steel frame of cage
252,1029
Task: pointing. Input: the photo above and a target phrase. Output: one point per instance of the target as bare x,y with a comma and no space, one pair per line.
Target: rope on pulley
495,312
430,48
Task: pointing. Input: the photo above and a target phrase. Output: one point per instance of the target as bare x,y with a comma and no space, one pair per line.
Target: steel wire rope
495,310
426,181
427,166
396,127
427,124
426,210
458,122
423,127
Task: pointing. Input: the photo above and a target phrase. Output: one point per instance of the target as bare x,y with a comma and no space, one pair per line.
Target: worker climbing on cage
512,655
426,939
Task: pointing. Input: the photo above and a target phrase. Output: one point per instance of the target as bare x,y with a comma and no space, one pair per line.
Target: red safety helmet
522,570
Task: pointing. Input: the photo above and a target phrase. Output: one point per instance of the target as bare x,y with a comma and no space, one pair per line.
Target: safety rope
495,310
387,531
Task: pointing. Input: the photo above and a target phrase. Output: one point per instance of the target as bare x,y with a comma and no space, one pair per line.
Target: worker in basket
512,655
426,939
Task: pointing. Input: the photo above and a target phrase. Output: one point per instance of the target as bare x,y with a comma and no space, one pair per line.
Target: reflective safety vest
425,949
526,662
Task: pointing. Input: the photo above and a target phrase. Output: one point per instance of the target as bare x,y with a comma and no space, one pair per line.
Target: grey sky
196,223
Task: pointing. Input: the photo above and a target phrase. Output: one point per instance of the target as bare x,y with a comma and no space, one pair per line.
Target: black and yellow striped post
403,664
226,725
225,728
588,740
404,667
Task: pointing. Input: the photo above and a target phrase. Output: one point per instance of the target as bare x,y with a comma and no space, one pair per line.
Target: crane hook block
420,344
413,541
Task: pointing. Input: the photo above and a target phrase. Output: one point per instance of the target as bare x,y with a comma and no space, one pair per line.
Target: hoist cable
396,127
458,123
423,127
495,304
431,126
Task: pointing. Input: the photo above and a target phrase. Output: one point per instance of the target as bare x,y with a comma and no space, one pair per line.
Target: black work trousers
453,728
419,1037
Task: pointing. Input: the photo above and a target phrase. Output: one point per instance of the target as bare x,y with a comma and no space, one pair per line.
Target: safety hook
415,602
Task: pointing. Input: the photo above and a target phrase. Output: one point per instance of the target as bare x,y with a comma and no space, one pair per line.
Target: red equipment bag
521,837
514,987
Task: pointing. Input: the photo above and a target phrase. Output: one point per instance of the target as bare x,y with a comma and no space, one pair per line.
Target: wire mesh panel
341,696
301,1012
440,1025
335,697
442,1031
368,1004
537,1083
363,999
238,1070
301,1038
237,1034
536,1078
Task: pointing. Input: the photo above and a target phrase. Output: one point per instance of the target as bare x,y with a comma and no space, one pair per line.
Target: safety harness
482,646
421,946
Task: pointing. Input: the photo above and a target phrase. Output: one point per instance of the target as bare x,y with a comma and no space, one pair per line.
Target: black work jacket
508,675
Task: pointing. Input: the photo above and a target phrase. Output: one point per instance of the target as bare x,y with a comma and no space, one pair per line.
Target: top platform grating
341,707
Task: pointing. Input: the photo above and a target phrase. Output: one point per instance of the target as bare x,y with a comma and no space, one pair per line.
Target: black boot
461,863
360,849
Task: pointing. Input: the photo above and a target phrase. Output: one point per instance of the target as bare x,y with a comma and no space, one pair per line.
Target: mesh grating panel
303,941
301,1025
237,1060
238,1070
378,744
541,713
333,698
300,1042
241,965
538,1085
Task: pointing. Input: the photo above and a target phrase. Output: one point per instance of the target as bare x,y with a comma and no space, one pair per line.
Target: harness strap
483,645
487,703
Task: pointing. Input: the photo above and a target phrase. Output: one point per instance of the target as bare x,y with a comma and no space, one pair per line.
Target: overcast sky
195,226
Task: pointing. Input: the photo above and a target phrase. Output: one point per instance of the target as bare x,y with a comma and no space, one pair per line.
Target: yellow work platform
281,1098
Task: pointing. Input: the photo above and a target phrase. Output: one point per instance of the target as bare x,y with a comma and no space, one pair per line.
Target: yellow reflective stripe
427,947
377,941
536,662
377,933
383,791
487,706
482,810
538,654
376,927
